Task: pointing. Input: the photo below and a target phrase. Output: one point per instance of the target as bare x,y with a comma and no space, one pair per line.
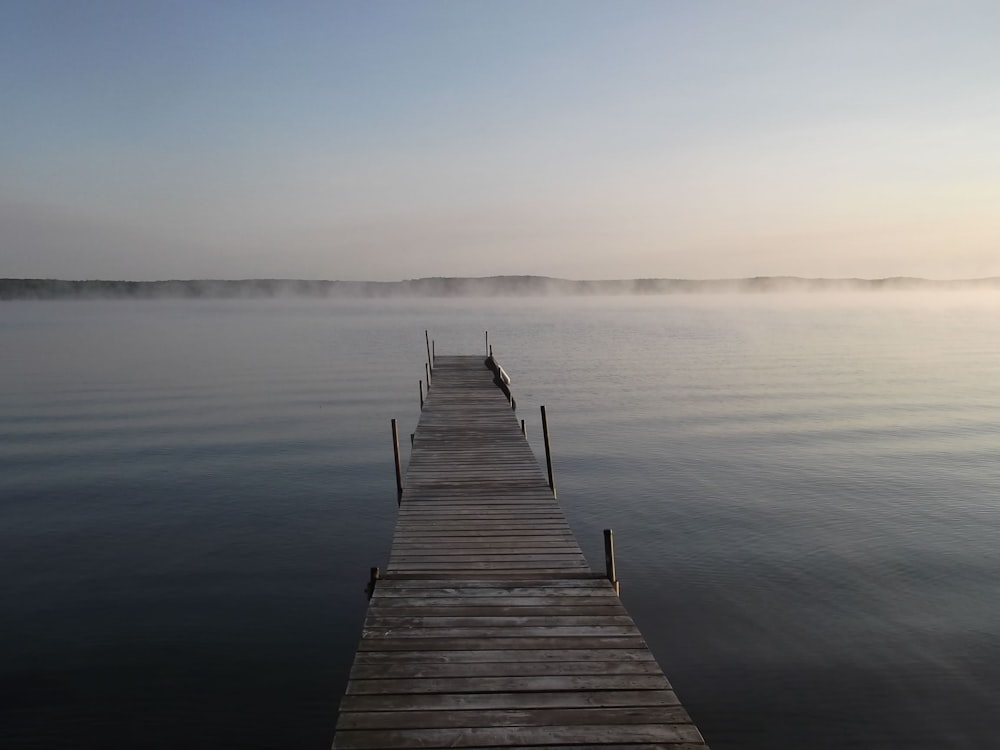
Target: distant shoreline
490,286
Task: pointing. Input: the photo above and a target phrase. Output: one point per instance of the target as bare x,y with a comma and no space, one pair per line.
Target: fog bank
491,286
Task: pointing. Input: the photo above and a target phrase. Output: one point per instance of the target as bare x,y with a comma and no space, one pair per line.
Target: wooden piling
609,559
524,430
395,451
548,452
421,395
374,577
427,340
427,374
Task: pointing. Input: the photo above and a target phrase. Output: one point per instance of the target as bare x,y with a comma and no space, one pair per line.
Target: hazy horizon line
465,286
506,276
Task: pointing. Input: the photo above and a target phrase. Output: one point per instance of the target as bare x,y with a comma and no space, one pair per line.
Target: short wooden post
513,403
395,451
421,395
491,352
413,436
524,430
375,576
548,452
427,339
609,559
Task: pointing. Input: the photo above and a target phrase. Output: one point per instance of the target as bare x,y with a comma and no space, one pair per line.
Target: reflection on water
803,496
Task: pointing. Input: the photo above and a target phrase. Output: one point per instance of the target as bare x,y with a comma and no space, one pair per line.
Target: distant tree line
492,286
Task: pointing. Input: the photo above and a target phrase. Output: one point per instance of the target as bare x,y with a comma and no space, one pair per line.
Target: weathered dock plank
488,701
489,629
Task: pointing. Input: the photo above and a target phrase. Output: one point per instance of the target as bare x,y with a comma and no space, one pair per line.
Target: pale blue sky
376,140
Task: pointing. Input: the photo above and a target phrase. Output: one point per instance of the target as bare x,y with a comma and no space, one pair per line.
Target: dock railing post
548,452
609,559
427,374
395,451
376,574
430,360
421,395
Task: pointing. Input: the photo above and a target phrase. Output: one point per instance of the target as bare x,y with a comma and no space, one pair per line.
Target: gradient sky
390,140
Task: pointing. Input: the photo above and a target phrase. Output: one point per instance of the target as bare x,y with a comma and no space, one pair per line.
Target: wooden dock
488,628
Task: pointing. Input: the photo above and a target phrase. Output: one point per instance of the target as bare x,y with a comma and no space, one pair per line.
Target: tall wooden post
609,559
430,360
548,452
374,578
395,451
421,395
427,374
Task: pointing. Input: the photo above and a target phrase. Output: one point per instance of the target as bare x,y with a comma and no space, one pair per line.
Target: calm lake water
805,493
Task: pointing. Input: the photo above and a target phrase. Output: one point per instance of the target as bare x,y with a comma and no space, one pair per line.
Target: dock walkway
489,629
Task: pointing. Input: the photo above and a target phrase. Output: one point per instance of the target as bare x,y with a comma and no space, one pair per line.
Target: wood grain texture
488,628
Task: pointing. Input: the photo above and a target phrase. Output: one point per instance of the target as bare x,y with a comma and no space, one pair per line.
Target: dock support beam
609,559
395,451
548,453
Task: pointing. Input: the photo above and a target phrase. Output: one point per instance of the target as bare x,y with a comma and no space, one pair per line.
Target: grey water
805,492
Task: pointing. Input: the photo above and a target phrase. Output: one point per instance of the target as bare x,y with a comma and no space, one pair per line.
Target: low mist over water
488,286
803,489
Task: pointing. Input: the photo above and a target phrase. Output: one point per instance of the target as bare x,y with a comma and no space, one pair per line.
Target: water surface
804,492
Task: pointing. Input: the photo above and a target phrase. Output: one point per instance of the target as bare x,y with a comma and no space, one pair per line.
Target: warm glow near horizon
574,139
